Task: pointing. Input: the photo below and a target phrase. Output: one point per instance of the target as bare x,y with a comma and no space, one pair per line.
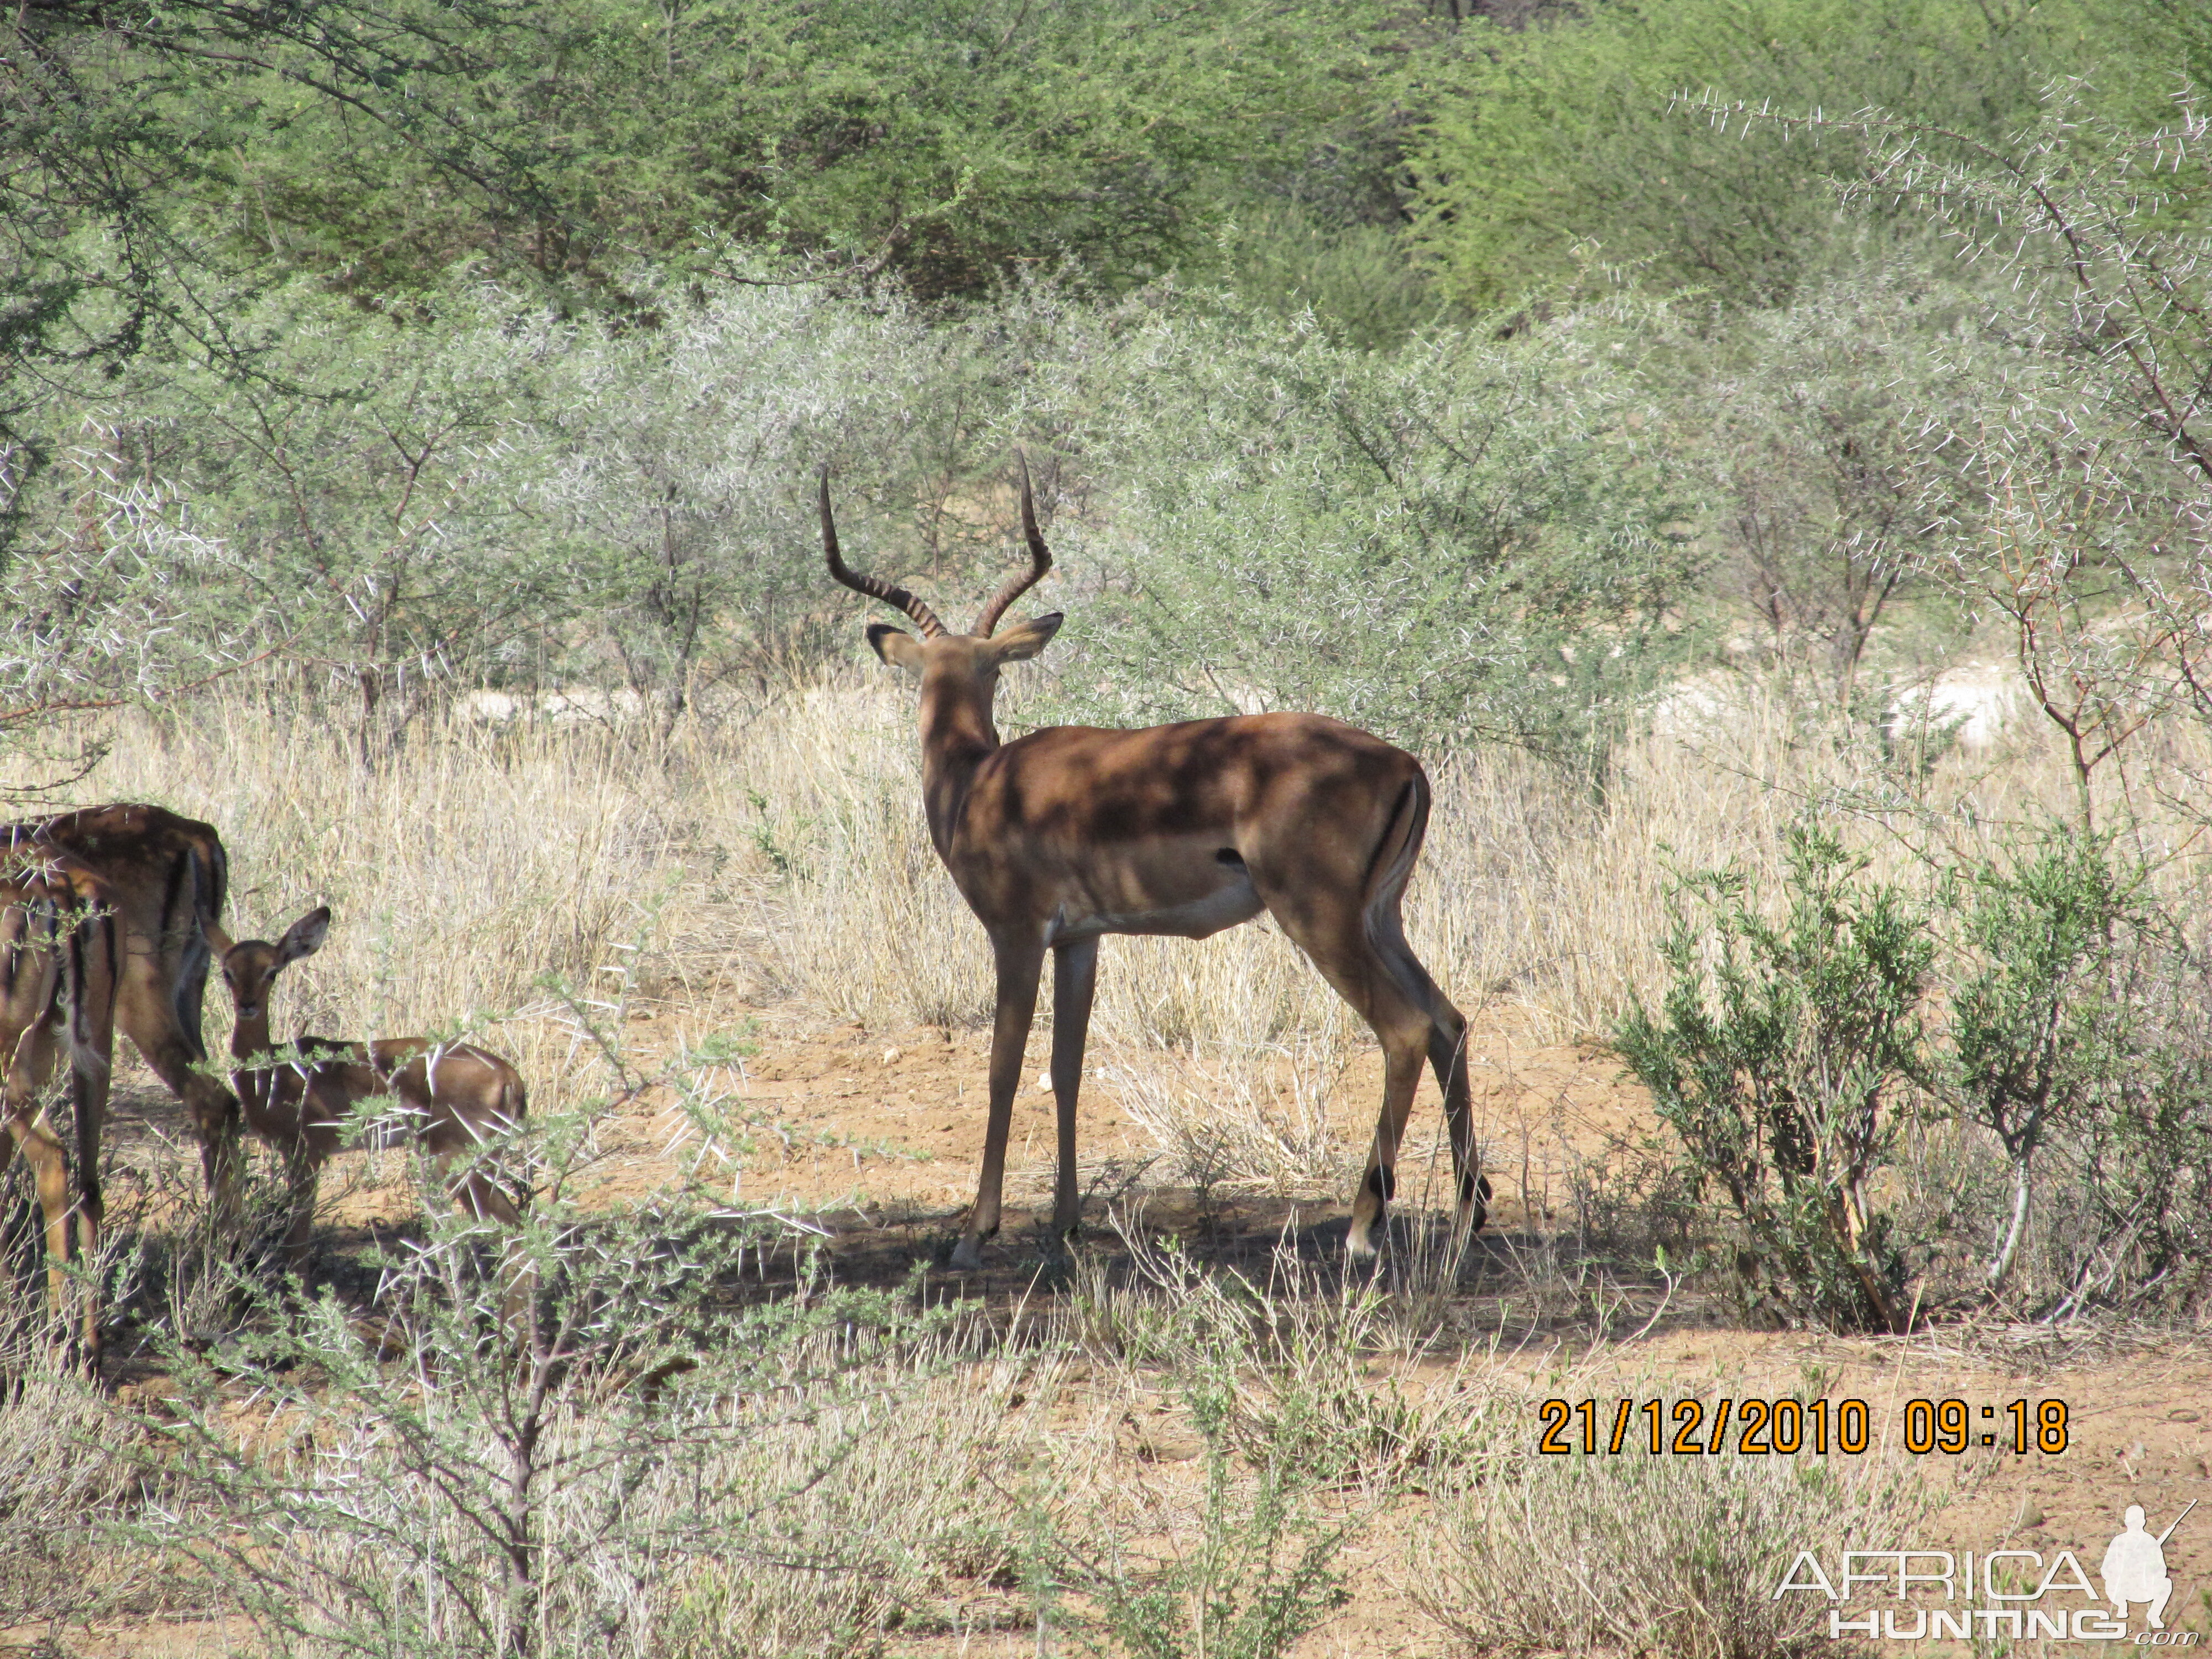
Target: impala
166,877
454,1097
1074,832
59,964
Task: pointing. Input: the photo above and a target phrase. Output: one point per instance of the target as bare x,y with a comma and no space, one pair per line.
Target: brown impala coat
60,961
1074,832
167,876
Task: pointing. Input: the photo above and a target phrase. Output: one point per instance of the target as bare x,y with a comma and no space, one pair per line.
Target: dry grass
1255,1118
57,1466
784,858
784,855
1642,1554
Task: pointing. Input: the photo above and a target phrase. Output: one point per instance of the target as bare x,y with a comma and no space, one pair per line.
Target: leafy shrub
578,1437
1257,1575
1276,1387
1469,538
650,1471
2015,1105
1778,1063
2075,1035
1547,138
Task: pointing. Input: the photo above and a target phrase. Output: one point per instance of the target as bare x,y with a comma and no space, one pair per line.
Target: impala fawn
452,1096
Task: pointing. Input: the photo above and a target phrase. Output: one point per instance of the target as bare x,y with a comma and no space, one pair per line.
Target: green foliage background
1471,375
1568,132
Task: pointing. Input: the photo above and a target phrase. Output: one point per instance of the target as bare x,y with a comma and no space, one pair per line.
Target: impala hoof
1473,1204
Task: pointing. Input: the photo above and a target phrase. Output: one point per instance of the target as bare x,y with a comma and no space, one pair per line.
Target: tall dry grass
784,856
464,866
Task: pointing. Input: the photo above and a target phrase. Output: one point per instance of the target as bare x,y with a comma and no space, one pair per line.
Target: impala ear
304,937
895,646
1024,640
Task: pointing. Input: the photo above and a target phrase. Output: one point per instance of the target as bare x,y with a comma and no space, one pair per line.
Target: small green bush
2004,1097
1777,1056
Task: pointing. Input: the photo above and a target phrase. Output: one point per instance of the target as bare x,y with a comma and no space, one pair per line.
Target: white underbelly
1224,907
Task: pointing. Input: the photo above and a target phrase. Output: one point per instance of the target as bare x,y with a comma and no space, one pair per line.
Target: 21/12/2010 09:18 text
1786,1427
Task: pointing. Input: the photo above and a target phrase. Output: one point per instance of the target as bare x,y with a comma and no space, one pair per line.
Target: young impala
1073,832
453,1098
59,965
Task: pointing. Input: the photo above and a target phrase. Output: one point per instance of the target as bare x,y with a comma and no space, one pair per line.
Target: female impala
165,878
454,1097
1073,832
59,965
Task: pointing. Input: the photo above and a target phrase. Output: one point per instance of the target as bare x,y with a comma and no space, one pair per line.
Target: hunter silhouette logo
2003,1593
2135,1566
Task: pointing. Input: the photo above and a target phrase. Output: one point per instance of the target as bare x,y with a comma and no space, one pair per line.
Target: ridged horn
874,586
1020,583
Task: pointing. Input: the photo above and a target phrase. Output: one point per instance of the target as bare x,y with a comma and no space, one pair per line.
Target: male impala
165,878
454,1097
1073,832
59,962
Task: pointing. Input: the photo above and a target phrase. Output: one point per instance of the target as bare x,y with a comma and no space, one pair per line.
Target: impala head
251,966
940,657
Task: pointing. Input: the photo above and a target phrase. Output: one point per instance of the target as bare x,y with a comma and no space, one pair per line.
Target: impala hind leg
30,1131
92,1055
1404,1048
1020,964
1447,1045
1074,979
1337,945
147,1018
1363,956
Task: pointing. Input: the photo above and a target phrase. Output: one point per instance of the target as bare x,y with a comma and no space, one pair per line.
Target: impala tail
1388,871
513,1104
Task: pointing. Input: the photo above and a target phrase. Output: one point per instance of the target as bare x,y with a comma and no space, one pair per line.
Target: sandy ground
887,1134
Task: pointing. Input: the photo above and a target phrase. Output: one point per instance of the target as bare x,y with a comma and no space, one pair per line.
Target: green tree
1471,537
1568,132
952,141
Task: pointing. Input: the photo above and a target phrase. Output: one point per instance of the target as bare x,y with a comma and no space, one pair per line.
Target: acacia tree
2083,480
366,510
1821,481
1473,537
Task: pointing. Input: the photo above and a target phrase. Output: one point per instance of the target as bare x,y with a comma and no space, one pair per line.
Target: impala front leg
1020,963
1074,977
302,1177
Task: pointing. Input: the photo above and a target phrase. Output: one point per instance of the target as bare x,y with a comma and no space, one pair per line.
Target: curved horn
874,586
1022,581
